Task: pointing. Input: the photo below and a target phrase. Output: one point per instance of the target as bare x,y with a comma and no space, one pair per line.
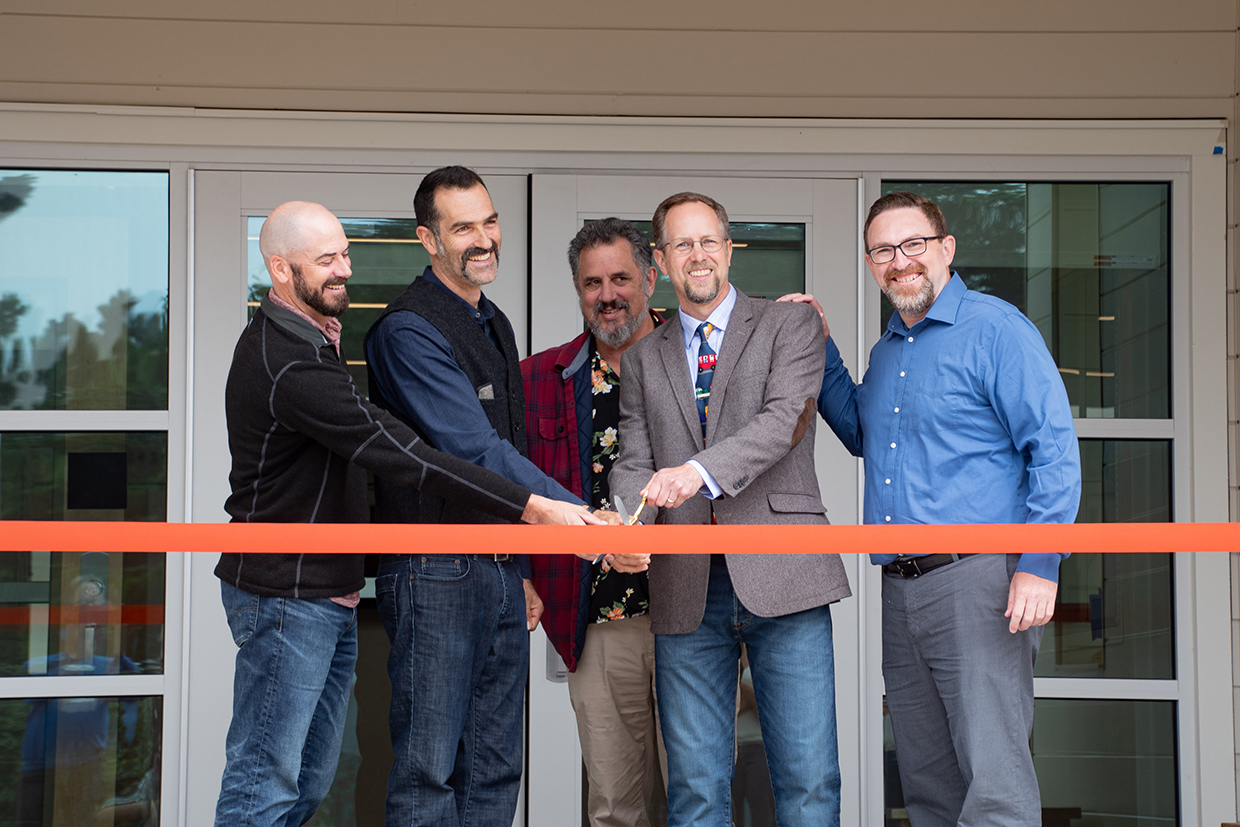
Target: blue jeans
460,655
793,668
295,660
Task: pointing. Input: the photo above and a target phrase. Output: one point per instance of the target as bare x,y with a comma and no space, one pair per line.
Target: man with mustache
961,418
442,358
597,617
302,439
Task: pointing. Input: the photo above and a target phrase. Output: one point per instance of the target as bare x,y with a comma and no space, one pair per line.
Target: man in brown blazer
717,424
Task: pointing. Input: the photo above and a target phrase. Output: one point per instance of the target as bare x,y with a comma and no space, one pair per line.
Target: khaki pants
612,693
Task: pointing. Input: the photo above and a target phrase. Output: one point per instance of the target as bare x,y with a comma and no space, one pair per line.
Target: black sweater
302,438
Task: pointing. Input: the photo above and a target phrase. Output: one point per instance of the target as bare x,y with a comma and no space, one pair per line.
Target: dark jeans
460,655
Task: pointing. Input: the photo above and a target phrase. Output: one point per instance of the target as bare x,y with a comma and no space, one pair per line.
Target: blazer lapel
735,337
672,348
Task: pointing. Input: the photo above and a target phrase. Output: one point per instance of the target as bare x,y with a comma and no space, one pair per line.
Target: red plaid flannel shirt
551,434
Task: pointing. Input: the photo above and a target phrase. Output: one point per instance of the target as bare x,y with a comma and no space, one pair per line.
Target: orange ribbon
339,538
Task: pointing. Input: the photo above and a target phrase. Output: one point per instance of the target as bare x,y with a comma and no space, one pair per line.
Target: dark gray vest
495,375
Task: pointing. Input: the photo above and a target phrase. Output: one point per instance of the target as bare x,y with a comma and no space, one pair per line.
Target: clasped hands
667,488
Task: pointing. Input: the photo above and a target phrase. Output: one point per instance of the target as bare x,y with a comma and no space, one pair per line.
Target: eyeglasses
911,248
684,246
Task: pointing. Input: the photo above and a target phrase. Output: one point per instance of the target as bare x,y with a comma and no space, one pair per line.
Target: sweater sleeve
319,399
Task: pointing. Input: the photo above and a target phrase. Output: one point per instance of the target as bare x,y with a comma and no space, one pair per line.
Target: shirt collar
330,330
481,314
718,317
944,309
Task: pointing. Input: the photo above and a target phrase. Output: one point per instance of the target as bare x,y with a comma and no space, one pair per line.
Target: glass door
789,235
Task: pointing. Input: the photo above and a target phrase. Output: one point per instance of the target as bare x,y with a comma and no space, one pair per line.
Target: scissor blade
620,509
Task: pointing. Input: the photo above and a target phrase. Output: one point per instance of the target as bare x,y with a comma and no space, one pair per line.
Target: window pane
1106,763
87,330
1100,763
82,613
80,761
1114,612
1088,263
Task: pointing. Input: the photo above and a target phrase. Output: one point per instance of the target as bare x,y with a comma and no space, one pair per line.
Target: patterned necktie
706,372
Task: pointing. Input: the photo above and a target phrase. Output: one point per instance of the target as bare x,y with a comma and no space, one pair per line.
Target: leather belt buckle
912,567
501,558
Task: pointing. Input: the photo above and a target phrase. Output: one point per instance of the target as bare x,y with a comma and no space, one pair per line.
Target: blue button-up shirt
961,419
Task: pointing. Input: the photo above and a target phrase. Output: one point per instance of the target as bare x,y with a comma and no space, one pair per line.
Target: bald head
292,227
307,256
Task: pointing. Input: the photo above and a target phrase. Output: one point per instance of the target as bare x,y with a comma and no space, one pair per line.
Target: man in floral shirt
596,615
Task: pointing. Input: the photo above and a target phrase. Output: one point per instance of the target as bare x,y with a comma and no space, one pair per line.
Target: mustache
614,304
907,271
478,251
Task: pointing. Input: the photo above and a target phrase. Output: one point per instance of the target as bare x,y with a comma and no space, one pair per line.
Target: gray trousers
960,691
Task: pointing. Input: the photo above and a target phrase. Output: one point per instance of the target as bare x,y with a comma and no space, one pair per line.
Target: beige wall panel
240,59
498,103
689,16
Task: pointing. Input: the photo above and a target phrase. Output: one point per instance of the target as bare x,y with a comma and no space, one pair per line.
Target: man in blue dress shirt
961,418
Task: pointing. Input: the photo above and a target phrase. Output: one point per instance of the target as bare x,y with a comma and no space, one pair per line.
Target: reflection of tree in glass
14,190
122,364
12,308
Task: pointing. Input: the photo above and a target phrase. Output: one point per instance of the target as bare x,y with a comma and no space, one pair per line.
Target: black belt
499,558
908,567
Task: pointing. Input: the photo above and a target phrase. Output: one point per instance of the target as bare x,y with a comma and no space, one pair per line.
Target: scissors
624,512
624,517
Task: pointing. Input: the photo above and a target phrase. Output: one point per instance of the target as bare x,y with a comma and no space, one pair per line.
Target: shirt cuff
710,489
1043,564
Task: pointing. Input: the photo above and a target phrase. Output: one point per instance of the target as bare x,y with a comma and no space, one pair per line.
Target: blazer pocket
796,504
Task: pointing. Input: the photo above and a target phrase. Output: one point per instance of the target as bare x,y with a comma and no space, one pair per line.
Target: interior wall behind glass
1089,264
84,290
80,762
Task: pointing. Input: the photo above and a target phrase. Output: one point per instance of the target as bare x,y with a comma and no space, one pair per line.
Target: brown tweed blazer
759,447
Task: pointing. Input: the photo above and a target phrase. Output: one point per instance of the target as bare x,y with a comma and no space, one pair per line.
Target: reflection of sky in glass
74,239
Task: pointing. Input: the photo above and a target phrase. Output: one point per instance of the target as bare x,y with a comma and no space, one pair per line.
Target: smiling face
699,278
464,246
911,284
311,271
613,292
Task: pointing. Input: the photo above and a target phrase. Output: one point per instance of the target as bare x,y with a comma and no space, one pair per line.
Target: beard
705,293
910,304
619,336
332,305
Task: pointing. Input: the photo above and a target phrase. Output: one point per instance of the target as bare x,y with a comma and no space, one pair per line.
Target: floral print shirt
614,595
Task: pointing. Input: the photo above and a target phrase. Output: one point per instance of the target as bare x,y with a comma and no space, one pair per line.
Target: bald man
302,438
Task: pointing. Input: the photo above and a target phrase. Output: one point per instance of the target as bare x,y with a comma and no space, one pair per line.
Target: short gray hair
606,231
